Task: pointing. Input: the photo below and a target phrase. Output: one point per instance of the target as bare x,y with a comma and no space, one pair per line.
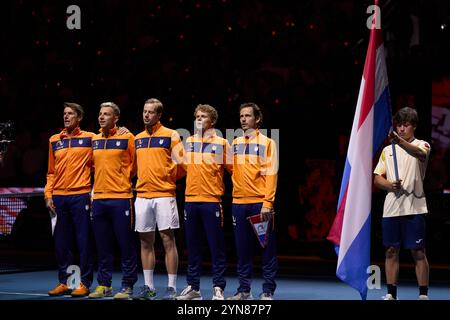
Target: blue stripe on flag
353,267
336,249
382,119
345,179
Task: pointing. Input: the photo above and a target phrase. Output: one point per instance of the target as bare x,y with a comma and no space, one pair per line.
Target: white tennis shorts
156,212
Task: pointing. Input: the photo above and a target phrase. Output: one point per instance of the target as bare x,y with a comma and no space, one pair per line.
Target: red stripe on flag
368,98
336,229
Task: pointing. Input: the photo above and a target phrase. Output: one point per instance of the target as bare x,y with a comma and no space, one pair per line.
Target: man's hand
396,185
50,205
122,130
394,137
266,214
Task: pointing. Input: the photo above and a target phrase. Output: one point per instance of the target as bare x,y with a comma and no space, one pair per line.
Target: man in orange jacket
67,197
112,207
156,205
254,187
207,155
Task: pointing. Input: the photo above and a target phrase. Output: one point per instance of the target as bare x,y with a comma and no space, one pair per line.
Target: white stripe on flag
359,193
381,79
351,144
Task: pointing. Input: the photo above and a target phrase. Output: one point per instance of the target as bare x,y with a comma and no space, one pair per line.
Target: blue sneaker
145,294
170,294
124,294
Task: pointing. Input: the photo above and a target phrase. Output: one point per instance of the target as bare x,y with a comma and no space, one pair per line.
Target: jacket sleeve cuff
267,204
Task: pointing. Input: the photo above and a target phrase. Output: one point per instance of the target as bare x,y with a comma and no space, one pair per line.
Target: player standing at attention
254,186
156,205
112,208
207,155
67,195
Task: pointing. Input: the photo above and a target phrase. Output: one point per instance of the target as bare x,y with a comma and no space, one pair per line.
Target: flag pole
394,154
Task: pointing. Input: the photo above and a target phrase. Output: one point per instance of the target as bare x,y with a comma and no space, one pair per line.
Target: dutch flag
351,228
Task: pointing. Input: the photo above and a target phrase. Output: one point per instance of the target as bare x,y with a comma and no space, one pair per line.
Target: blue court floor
34,286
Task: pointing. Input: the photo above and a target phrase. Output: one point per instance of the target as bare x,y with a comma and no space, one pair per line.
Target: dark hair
406,114
256,111
75,107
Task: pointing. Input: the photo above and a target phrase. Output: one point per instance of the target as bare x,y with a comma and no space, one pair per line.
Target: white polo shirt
411,199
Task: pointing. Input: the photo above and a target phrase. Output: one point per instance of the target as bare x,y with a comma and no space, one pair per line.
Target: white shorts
156,212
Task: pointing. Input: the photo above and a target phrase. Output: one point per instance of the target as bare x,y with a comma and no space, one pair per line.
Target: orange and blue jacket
114,161
69,163
205,160
255,167
158,155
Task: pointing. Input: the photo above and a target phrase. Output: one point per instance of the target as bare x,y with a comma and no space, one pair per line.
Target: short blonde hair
211,111
112,105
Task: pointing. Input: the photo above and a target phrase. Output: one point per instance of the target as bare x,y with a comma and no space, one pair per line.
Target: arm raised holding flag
405,205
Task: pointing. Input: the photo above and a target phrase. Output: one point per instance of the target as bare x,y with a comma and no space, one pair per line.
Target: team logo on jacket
86,207
80,141
118,143
161,141
127,213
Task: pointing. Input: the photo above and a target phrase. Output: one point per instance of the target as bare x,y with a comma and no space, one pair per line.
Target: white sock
148,278
173,281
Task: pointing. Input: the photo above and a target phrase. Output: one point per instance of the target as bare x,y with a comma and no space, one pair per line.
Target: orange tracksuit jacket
114,161
69,163
156,170
255,167
206,158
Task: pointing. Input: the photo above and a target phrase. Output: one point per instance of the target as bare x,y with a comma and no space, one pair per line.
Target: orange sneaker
60,290
81,291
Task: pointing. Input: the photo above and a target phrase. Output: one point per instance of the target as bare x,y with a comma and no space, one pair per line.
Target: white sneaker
266,296
218,294
388,297
423,297
241,296
189,294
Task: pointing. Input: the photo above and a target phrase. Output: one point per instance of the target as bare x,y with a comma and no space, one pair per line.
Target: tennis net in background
25,231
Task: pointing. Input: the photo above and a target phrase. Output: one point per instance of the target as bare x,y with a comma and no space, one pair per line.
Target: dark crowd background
301,61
